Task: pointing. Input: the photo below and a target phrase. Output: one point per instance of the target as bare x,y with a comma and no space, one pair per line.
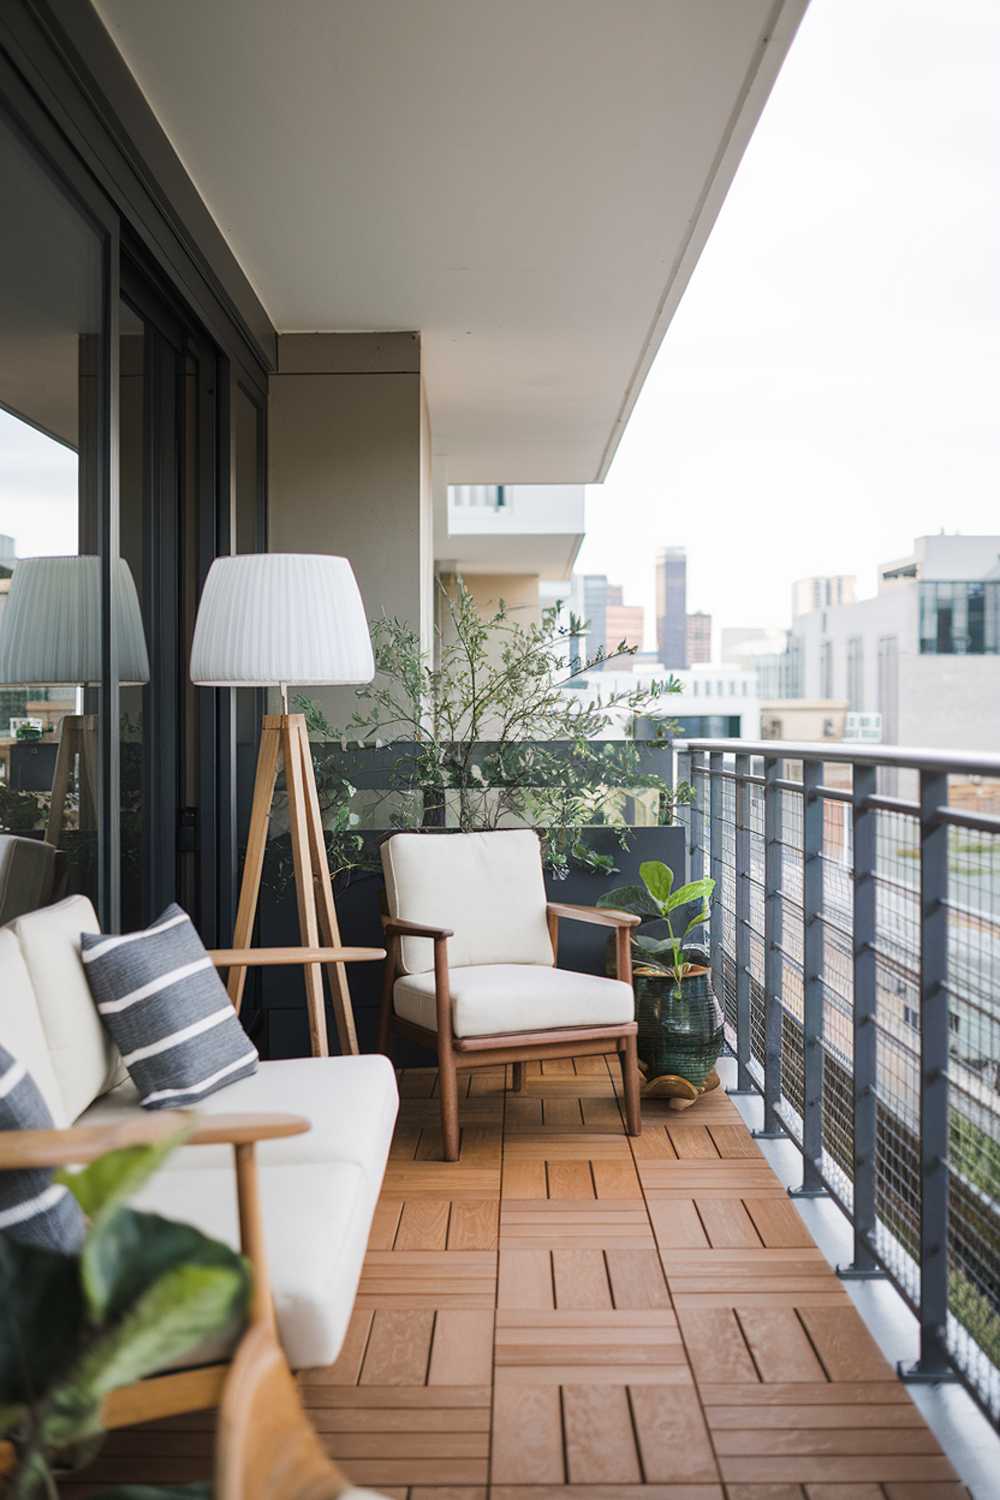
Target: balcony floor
566,1311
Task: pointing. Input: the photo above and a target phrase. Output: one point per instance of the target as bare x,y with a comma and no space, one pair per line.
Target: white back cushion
487,887
85,1061
21,1029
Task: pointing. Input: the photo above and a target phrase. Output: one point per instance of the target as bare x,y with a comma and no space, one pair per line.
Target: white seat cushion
487,888
316,1221
84,1059
350,1102
489,999
21,1029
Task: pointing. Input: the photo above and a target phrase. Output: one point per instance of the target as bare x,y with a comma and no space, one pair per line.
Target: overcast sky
830,386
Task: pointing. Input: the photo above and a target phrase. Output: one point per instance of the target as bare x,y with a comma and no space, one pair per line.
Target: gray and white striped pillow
159,996
33,1208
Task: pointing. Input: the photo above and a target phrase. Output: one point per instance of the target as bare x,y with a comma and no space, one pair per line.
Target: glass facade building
960,618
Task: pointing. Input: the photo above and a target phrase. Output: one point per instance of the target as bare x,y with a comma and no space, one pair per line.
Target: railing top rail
953,762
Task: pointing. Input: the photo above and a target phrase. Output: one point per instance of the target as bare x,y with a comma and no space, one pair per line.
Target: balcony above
512,528
529,185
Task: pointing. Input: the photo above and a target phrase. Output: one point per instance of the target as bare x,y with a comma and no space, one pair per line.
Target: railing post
812,972
696,851
863,819
932,1364
773,964
715,764
744,1082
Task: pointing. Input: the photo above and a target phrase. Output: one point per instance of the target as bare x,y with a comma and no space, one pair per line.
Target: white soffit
528,183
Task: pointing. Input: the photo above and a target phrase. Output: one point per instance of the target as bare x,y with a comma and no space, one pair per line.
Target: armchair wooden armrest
601,916
83,1143
226,958
399,927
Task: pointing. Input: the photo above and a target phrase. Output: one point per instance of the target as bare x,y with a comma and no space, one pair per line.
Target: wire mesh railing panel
871,1152
898,1183
973,994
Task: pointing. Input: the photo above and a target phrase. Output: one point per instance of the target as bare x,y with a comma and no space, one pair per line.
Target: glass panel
51,322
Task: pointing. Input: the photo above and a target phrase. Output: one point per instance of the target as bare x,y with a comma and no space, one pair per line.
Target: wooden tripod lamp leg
329,927
305,890
268,757
69,739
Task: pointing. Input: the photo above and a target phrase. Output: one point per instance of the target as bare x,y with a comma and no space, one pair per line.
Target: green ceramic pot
679,1033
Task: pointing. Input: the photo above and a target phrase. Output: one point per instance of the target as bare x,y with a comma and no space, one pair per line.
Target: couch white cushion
487,887
351,1103
21,1030
496,998
316,1221
85,1061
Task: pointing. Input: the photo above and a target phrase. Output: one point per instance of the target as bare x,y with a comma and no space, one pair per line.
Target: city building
671,606
625,622
824,592
923,652
699,638
735,639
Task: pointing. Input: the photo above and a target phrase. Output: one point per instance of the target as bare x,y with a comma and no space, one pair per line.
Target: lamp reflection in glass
50,636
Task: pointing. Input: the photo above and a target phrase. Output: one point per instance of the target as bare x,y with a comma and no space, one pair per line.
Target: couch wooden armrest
600,916
225,958
83,1143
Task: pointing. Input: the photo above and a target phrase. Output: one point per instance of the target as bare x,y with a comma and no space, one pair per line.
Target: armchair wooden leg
448,1089
383,1040
629,1058
517,1077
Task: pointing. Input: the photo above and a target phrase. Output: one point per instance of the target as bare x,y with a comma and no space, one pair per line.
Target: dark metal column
812,975
865,1038
715,762
744,1083
932,1364
773,963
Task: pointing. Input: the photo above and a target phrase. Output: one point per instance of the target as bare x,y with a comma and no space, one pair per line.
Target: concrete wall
950,702
349,469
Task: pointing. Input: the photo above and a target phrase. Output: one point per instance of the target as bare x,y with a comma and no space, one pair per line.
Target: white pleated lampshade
272,618
50,629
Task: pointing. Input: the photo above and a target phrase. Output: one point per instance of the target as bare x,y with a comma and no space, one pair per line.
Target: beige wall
519,591
349,469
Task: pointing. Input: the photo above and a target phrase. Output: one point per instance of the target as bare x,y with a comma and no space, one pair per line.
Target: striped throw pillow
33,1208
159,996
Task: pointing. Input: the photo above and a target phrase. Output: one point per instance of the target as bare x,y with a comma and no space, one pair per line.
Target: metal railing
855,946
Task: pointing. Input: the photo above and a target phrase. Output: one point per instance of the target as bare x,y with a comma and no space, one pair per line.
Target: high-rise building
825,592
699,638
595,611
625,622
671,606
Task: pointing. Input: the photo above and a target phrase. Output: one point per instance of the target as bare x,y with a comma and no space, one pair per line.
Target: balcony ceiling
529,184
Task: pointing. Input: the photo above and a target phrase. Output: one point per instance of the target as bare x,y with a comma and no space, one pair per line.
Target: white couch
318,1190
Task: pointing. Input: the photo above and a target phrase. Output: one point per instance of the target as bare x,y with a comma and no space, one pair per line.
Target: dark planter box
275,1011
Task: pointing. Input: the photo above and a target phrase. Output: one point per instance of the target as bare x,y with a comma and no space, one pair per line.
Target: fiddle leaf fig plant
657,900
142,1293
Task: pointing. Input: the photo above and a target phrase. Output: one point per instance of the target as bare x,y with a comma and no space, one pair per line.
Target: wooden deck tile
570,1314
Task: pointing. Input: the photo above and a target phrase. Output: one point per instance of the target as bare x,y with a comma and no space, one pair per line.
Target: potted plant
141,1294
680,1021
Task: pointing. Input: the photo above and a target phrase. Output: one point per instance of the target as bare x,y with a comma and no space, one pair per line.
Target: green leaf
652,948
658,879
695,890
127,1251
41,1318
631,898
115,1176
184,1307
696,922
12,1416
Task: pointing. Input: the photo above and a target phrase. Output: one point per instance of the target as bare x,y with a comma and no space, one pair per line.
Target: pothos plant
142,1293
485,735
656,900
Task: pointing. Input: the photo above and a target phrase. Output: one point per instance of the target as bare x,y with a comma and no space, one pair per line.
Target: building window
960,618
826,669
855,674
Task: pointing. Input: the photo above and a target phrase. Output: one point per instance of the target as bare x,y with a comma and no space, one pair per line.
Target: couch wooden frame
458,1054
200,1388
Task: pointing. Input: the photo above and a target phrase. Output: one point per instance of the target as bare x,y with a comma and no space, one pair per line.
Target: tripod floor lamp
267,620
51,637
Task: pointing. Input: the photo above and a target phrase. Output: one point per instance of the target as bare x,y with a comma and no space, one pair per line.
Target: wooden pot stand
678,1091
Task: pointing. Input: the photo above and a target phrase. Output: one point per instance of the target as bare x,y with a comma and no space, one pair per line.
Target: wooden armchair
495,994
